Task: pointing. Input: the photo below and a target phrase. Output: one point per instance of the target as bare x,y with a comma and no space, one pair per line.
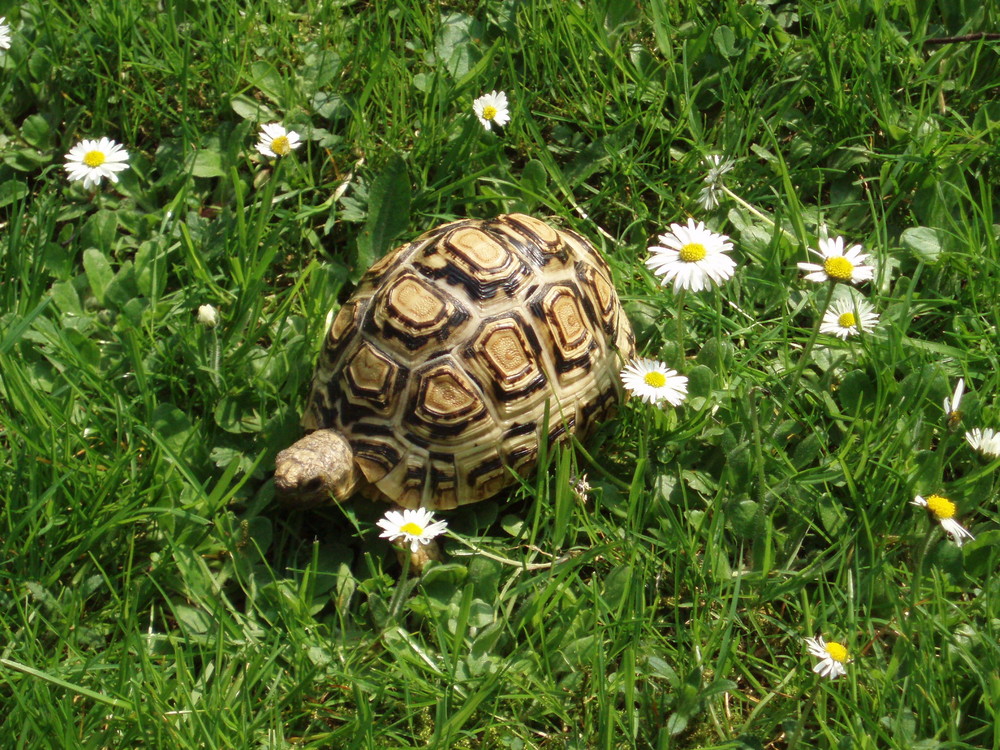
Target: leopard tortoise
456,354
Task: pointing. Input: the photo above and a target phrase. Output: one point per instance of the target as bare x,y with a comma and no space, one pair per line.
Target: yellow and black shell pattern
459,350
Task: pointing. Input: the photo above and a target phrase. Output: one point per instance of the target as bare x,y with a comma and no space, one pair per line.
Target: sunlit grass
153,595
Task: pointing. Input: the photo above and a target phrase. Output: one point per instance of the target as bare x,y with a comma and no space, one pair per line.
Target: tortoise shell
464,349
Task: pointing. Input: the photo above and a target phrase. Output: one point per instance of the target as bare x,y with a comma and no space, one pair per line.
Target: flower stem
758,213
918,575
803,360
680,323
403,587
793,741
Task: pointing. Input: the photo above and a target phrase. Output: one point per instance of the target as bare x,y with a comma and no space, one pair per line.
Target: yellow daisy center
836,652
655,379
839,268
941,507
281,145
847,320
94,158
412,529
489,112
692,252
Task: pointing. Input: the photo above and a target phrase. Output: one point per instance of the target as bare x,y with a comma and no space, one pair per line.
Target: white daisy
276,141
491,109
985,441
92,160
849,316
416,527
832,656
692,257
4,33
653,381
717,166
951,405
943,511
208,316
838,264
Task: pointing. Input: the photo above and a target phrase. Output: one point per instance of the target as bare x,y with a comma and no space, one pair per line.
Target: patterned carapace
456,351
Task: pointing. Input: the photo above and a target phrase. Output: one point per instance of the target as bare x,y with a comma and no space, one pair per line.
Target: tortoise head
316,469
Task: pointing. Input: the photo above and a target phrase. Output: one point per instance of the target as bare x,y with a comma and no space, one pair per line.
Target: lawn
158,336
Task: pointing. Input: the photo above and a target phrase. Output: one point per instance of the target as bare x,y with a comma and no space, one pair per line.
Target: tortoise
455,357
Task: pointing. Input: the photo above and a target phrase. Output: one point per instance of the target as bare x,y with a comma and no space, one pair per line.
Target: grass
152,594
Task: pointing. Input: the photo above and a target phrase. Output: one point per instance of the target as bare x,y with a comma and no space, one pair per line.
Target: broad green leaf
36,131
12,190
745,519
65,296
99,230
172,426
122,287
235,415
251,109
455,46
832,514
192,620
208,163
924,242
150,269
616,586
700,380
265,77
388,212
857,392
534,181
98,270
725,41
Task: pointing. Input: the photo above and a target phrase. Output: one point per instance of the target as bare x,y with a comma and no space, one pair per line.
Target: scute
370,376
413,313
447,405
462,350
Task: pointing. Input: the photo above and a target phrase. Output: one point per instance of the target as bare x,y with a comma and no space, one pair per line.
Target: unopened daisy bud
208,316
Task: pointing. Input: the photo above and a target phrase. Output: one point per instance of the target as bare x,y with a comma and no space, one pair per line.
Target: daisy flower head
414,527
832,657
692,257
849,316
491,109
275,141
93,160
653,381
838,264
943,511
717,166
985,441
951,405
4,33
